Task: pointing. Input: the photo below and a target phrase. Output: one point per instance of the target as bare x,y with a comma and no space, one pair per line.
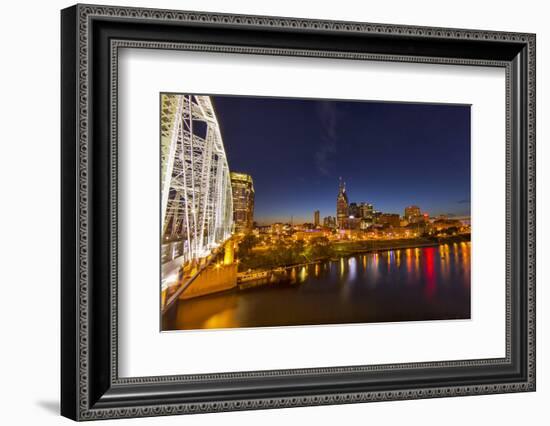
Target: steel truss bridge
196,196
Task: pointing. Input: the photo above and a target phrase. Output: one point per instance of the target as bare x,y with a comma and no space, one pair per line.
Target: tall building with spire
342,205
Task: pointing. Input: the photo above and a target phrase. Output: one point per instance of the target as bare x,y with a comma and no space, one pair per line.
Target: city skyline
308,144
311,219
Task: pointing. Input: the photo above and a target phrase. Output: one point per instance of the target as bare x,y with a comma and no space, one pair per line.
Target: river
429,283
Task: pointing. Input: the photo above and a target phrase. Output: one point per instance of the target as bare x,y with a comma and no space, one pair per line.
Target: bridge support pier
212,279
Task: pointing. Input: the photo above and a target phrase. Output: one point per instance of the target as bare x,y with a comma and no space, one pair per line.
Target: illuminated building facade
316,218
342,205
413,214
366,223
329,222
243,201
350,223
366,210
391,219
354,210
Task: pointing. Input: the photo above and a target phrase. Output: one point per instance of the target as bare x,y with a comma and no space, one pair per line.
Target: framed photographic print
263,212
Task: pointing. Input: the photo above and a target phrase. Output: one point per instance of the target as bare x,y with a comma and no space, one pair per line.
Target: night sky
389,154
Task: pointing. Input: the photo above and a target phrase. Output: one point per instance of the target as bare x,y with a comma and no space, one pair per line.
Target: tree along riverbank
285,254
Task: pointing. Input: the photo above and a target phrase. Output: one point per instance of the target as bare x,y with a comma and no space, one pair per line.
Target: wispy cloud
465,201
329,117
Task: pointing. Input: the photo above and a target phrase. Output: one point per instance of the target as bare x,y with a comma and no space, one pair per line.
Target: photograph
300,212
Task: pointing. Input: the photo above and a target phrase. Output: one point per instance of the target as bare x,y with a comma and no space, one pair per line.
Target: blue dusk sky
389,154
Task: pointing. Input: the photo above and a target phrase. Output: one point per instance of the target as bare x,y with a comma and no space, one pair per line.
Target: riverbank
278,273
348,248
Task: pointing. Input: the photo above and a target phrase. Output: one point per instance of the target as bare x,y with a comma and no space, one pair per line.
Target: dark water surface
429,283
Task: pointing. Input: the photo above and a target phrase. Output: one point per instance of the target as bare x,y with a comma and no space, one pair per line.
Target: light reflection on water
352,263
398,285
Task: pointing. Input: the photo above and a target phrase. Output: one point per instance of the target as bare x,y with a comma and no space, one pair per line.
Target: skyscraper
342,205
243,201
412,214
316,218
329,222
367,210
354,210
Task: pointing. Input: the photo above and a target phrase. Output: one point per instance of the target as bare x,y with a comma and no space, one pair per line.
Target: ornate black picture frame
91,387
